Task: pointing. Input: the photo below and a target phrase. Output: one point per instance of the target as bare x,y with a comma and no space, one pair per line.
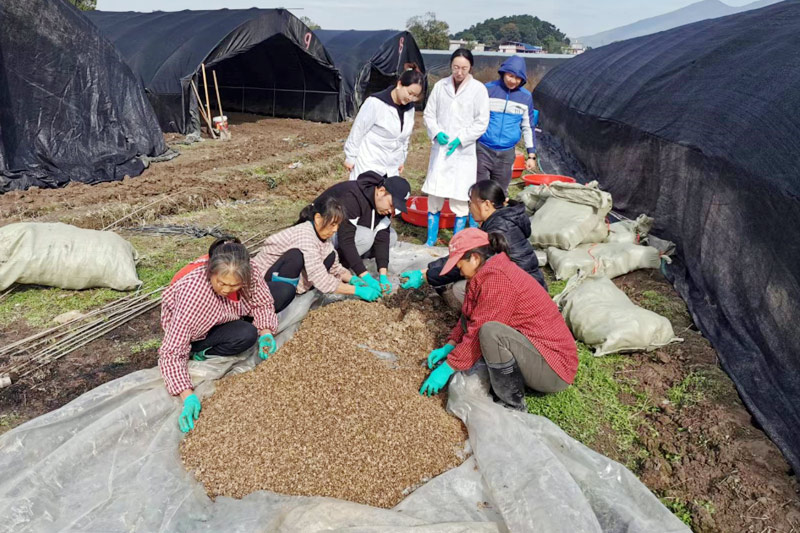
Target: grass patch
554,287
672,308
679,508
592,404
690,391
150,344
8,422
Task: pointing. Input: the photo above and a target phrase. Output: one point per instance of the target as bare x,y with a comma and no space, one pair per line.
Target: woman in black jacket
489,207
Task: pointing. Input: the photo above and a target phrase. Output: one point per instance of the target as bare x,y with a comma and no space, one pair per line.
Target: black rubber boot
508,384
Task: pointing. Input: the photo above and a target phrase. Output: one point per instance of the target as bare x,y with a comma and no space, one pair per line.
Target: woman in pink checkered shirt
302,257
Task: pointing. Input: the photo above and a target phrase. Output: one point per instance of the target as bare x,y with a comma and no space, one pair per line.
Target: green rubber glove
442,138
437,380
367,293
356,281
190,413
415,279
386,285
266,345
455,143
438,354
371,282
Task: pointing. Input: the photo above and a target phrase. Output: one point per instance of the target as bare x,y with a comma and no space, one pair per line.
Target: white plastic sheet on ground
60,255
610,259
108,461
602,316
566,214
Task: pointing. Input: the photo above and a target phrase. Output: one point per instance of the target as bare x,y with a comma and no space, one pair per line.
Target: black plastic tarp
699,126
70,109
266,60
369,61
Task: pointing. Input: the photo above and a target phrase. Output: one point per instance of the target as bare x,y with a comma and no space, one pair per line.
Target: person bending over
302,257
201,314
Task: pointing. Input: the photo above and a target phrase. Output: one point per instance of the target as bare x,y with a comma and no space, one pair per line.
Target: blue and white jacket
511,113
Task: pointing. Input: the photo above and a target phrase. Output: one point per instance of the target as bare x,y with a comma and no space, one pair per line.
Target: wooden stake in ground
202,111
205,86
223,134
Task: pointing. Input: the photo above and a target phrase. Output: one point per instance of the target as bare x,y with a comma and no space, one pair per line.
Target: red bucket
545,179
418,213
519,166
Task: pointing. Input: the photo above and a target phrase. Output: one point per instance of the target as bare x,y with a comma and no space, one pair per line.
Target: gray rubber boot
508,384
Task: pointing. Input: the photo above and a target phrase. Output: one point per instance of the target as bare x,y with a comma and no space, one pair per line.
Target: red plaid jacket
190,307
502,292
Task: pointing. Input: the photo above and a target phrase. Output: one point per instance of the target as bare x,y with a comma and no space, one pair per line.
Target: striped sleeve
262,304
181,306
315,269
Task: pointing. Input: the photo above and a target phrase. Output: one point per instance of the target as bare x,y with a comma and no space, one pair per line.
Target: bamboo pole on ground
202,111
216,88
205,87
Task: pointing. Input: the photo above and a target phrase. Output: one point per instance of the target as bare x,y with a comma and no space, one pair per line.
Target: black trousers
230,338
290,265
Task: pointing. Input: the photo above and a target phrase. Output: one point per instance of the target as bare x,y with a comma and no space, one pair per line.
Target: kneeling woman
509,319
301,257
201,312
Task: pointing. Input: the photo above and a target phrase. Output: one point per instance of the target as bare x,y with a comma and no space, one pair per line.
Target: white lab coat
463,114
376,141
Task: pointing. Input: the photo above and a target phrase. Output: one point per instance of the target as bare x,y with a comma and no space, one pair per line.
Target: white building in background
455,44
576,48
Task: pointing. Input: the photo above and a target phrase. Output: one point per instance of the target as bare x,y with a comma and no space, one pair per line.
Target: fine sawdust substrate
324,416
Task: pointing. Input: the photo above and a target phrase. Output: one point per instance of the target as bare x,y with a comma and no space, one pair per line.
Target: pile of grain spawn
326,417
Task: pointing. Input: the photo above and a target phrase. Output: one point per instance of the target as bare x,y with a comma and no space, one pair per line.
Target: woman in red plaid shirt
509,319
201,312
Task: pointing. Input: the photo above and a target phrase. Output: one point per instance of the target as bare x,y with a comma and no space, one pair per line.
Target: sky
576,18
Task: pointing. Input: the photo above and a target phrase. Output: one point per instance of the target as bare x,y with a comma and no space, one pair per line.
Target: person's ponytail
498,243
331,211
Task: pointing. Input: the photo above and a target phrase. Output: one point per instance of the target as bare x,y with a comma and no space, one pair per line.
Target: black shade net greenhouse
699,126
70,108
369,61
267,62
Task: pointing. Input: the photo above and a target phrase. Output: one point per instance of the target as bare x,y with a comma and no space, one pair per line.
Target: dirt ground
701,452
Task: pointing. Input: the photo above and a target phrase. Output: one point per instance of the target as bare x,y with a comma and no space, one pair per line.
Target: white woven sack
569,215
610,259
634,231
598,234
541,256
602,316
60,255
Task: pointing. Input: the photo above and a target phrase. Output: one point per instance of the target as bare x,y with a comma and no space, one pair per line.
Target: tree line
432,33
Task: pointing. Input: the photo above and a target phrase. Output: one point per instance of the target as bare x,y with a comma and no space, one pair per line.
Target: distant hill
705,9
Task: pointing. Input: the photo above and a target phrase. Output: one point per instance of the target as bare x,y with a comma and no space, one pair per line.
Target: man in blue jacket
511,117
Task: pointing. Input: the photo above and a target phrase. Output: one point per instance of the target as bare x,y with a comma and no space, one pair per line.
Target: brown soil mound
325,416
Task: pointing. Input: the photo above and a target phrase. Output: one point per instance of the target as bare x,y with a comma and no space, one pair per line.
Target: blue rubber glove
386,285
356,281
371,282
438,354
437,380
455,143
266,345
190,413
415,279
442,138
367,293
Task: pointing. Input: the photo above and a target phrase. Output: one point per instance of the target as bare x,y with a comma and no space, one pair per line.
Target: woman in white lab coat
378,140
456,115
